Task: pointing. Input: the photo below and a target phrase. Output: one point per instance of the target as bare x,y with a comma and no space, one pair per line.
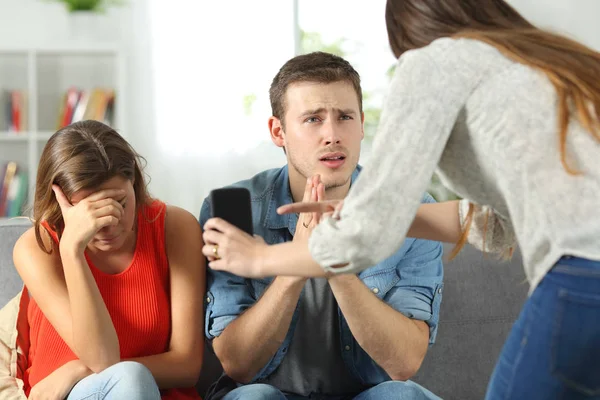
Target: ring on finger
215,251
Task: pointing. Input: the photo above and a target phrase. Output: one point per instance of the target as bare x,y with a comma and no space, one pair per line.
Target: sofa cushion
14,347
10,282
482,298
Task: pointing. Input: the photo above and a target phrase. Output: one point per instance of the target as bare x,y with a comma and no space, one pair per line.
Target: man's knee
257,391
397,390
130,380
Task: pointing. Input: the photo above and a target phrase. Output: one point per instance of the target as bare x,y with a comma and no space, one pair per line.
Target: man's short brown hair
316,67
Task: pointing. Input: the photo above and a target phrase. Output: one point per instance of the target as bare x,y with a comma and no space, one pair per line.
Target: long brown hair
82,156
572,67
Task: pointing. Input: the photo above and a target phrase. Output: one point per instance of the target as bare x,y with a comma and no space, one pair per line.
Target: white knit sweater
490,127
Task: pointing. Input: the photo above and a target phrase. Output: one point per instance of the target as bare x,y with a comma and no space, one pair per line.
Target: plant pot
88,26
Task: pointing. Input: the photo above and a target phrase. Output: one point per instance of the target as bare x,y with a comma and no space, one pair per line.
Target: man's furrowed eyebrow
312,112
347,111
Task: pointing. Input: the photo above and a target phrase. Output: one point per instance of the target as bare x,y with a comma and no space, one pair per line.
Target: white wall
39,22
576,18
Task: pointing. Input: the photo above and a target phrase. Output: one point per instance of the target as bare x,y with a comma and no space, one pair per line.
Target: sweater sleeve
489,232
422,106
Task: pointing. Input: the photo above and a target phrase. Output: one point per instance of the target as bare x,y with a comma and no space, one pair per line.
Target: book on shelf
80,104
15,111
13,190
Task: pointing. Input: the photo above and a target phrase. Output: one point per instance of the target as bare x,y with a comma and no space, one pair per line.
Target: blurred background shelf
6,136
43,88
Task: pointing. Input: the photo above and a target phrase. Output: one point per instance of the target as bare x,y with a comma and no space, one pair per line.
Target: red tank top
137,300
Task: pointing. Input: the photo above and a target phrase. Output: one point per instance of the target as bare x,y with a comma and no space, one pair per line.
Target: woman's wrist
77,370
263,254
69,247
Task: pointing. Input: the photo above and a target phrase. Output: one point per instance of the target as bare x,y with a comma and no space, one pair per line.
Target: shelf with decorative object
44,88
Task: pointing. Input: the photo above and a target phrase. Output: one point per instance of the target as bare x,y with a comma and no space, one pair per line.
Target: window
213,66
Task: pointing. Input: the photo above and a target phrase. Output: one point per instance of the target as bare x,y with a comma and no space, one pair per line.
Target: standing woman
510,115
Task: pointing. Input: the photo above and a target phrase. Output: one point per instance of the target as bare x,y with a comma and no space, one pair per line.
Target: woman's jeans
553,350
126,380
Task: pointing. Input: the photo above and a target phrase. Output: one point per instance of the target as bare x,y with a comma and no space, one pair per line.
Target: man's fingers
209,251
321,207
321,192
311,183
217,265
320,197
313,198
212,237
307,189
310,195
314,217
62,200
316,179
222,226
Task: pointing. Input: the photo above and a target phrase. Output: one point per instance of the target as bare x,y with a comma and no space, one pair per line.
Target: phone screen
233,205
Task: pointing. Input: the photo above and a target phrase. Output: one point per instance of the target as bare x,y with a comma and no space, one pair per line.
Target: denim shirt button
375,290
347,348
208,299
440,290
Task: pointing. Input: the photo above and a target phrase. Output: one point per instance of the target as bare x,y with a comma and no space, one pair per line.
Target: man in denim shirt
349,336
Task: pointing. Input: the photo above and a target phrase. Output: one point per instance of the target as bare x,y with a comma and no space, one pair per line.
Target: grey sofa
481,300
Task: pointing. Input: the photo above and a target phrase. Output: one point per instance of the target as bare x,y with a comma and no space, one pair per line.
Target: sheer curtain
211,64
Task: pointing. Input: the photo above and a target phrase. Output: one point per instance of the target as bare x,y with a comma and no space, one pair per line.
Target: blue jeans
553,350
391,390
126,380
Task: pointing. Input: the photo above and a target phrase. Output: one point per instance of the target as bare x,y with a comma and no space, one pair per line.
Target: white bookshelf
45,74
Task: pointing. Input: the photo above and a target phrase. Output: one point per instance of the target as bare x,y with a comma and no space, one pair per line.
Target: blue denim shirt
410,281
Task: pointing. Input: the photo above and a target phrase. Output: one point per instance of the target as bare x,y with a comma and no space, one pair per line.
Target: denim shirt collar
281,195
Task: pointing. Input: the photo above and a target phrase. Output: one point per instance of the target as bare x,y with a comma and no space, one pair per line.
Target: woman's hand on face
91,214
230,249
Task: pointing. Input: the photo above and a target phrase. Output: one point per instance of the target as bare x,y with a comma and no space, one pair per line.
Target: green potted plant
89,5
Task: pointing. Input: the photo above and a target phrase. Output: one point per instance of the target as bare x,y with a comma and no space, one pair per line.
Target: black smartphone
233,205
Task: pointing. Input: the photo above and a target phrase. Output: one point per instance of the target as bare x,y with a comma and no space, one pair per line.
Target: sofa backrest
10,282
